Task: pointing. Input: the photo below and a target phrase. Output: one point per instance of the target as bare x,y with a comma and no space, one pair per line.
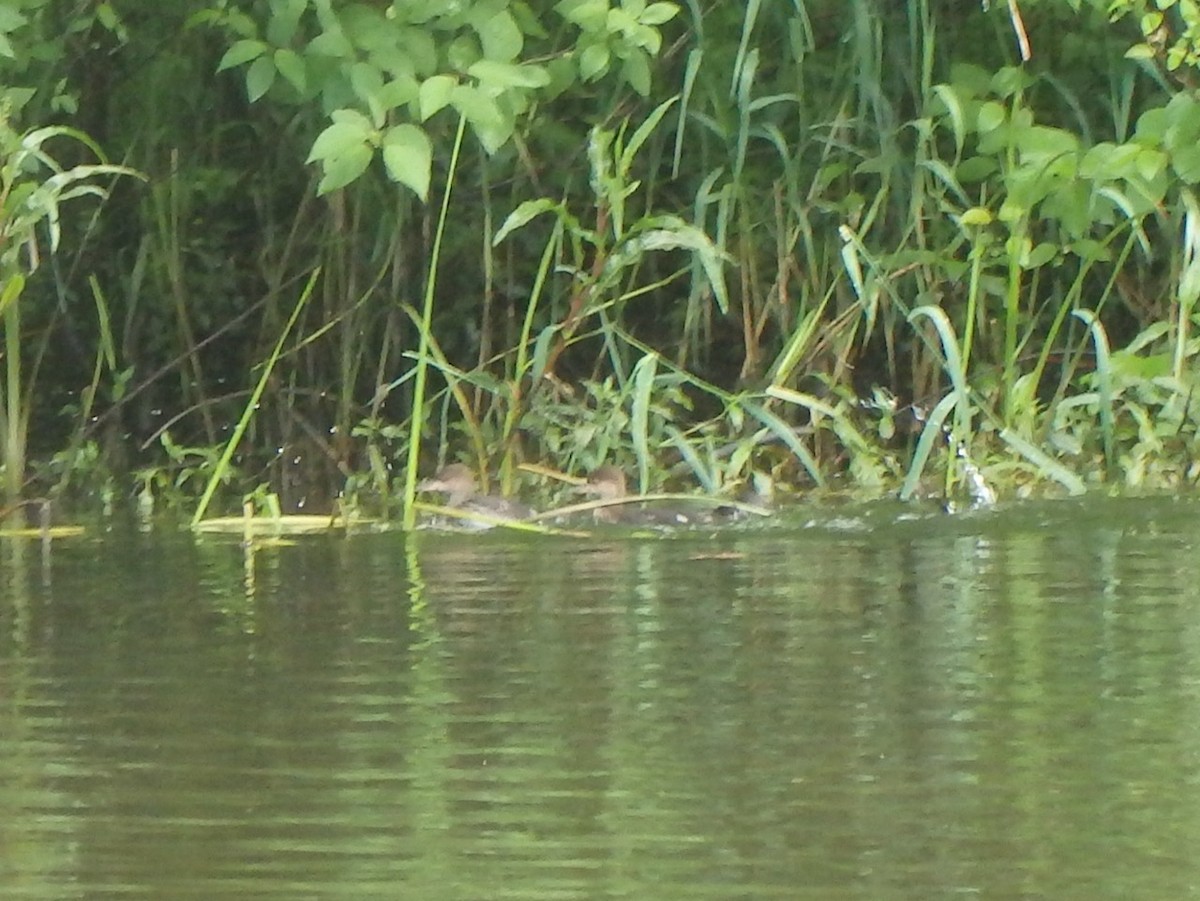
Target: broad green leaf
589,15
491,125
1039,256
637,72
480,109
11,19
975,169
241,52
1090,249
990,117
493,137
397,92
593,62
1183,130
340,170
1152,126
1186,163
1150,163
527,20
501,38
620,21
284,21
408,156
331,43
1041,142
338,139
352,117
463,52
658,13
366,80
506,75
649,39
435,93
1097,163
260,77
291,67
419,46
1008,80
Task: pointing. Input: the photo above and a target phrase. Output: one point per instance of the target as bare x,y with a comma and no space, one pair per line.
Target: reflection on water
880,704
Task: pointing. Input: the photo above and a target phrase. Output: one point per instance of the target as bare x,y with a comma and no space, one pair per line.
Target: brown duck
457,482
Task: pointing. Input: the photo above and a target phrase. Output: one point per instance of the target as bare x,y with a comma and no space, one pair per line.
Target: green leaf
366,80
501,38
649,39
291,67
639,417
338,139
241,52
344,168
658,13
523,215
331,43
977,215
462,53
1150,163
260,77
397,92
12,290
408,156
419,46
491,125
975,169
11,19
589,15
1186,163
506,75
642,134
352,117
480,109
434,94
637,72
620,21
593,62
1042,143
991,115
1039,256
284,21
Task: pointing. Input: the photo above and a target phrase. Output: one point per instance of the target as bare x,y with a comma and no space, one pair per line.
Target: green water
863,704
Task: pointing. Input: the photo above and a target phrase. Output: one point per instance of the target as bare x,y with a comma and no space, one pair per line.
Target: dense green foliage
827,239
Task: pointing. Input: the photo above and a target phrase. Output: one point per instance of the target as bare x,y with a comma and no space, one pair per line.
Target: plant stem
418,409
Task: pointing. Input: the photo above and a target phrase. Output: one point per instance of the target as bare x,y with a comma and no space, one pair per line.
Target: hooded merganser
457,482
608,484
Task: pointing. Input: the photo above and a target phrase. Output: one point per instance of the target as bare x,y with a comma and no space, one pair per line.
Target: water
861,704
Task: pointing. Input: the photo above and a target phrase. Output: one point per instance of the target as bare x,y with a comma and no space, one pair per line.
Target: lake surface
867,704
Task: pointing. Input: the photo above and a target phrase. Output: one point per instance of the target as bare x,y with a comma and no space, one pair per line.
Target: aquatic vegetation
818,243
